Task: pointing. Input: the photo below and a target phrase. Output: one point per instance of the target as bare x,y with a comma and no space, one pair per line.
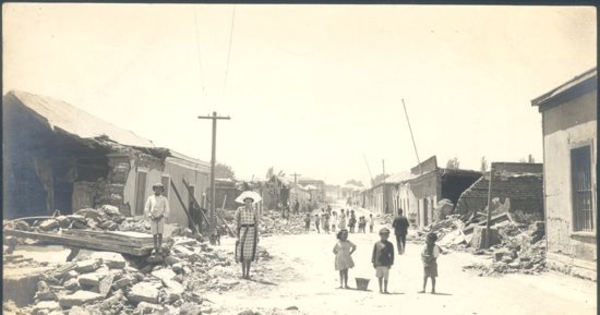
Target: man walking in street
400,225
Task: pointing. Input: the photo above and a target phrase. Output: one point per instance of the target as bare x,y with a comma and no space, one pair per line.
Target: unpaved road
302,274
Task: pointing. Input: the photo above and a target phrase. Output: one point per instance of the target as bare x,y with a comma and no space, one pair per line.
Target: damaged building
521,183
57,156
429,185
569,127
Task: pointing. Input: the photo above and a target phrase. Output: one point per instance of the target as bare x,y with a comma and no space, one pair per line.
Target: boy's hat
384,231
432,237
158,185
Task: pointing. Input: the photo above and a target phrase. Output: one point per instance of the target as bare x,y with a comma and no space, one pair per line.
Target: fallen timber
130,243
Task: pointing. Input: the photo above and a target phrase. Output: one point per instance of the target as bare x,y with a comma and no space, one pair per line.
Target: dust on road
301,275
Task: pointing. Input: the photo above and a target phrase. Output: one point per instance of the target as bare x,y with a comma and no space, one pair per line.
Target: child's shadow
440,293
263,282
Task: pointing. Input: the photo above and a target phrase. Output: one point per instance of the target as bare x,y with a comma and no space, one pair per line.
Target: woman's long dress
247,222
342,224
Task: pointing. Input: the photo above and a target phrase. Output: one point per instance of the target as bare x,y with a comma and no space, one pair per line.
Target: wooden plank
194,227
113,237
189,188
232,233
72,241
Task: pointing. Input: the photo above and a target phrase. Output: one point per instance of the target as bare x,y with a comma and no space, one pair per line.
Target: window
581,178
166,181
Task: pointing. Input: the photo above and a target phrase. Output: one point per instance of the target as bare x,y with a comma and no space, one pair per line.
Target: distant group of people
382,256
329,221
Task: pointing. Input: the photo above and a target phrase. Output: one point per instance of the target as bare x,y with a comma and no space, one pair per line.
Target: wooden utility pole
296,184
489,212
213,197
412,137
384,201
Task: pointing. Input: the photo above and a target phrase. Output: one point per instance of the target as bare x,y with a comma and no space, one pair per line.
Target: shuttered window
581,175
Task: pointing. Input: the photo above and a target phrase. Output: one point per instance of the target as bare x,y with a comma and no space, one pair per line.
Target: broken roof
399,177
63,117
59,115
584,82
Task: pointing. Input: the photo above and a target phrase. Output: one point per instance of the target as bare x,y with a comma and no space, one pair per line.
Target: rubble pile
385,219
169,282
272,222
520,251
106,218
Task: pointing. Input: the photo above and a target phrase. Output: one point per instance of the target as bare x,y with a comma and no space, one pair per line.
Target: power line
198,48
229,49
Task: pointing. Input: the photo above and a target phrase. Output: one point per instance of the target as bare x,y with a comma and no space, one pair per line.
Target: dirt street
302,274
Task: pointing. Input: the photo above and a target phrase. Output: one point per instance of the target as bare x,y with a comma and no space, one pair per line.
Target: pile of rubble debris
170,282
106,218
514,247
272,222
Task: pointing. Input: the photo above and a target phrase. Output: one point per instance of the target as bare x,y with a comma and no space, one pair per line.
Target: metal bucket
362,284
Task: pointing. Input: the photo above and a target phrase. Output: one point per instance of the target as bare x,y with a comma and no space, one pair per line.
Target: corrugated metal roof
198,164
566,86
61,115
399,177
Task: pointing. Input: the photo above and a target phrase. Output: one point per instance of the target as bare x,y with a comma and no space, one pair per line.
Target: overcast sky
311,88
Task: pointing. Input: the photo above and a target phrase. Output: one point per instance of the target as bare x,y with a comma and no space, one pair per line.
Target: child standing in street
383,259
317,222
307,222
343,257
333,220
352,222
371,222
326,222
429,256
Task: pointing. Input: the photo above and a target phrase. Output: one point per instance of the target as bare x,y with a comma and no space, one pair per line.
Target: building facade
569,128
58,157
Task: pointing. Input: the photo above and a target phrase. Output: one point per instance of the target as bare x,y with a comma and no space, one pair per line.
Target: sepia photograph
299,159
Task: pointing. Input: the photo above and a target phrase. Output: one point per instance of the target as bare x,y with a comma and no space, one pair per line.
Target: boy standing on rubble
157,210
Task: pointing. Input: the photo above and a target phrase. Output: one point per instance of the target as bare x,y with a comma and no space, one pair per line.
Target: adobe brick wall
525,193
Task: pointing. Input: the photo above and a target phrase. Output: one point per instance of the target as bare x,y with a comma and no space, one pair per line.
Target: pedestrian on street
297,207
246,219
383,259
400,225
334,221
342,221
371,223
431,251
326,223
352,222
307,222
362,224
343,257
317,222
157,210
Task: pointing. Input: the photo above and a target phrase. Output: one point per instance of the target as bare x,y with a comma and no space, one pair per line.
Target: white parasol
246,194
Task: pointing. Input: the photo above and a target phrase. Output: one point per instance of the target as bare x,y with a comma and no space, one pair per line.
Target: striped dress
247,228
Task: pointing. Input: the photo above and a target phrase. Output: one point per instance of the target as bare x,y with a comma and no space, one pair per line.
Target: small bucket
362,284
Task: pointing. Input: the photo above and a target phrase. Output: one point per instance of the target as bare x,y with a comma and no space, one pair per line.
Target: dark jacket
400,225
383,254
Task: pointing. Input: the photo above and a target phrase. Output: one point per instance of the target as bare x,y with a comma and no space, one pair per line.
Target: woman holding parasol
246,218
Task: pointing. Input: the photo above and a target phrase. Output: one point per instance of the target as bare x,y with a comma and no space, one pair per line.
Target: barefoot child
157,210
383,259
429,256
343,257
307,222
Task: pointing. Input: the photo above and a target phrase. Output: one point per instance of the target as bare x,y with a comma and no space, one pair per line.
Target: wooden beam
194,227
73,241
185,183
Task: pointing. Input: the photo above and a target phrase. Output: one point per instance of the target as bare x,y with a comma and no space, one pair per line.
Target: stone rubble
170,282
